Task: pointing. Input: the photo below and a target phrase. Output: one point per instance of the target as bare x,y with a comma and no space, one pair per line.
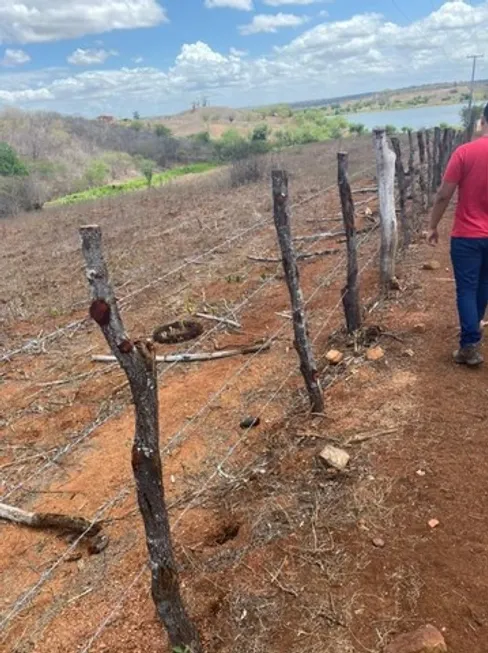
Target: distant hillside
66,154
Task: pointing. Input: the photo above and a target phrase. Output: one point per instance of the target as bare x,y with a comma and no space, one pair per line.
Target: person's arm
452,177
442,199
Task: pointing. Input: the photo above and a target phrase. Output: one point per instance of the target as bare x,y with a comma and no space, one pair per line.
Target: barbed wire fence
178,437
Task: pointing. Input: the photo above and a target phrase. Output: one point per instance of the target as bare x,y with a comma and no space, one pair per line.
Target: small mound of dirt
181,331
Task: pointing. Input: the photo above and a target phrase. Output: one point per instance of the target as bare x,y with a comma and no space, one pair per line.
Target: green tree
477,110
390,130
10,164
136,115
162,131
357,128
147,169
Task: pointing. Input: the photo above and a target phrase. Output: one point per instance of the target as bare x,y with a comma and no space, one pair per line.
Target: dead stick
216,318
196,357
47,520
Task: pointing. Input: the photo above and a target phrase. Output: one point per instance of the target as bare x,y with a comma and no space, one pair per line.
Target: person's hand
433,237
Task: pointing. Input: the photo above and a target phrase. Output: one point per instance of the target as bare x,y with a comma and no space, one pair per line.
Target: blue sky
157,56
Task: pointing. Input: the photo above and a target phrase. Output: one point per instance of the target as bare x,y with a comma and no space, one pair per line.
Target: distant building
106,118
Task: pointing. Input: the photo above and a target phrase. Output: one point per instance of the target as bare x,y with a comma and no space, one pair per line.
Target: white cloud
82,57
281,3
37,21
235,52
14,58
269,23
138,59
243,5
363,53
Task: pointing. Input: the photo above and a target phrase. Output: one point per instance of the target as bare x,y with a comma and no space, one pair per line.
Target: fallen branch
363,437
372,189
216,318
196,357
300,257
48,520
320,235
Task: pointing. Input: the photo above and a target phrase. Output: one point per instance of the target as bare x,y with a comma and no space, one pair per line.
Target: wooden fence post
430,166
281,215
350,294
385,165
423,170
437,155
412,174
401,182
137,361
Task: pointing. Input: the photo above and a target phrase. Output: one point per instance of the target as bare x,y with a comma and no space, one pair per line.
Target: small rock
424,640
378,542
419,328
409,353
250,422
395,284
431,265
434,523
375,354
420,472
335,457
73,557
334,357
97,544
368,212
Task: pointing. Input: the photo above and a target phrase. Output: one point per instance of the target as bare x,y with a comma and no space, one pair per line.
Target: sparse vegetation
111,190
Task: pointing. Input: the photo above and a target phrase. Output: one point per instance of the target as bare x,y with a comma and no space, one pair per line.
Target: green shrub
162,131
260,132
147,169
10,164
96,173
477,112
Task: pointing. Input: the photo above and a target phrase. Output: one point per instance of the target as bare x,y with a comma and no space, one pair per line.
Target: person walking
467,171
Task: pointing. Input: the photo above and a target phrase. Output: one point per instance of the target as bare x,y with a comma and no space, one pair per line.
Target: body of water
416,118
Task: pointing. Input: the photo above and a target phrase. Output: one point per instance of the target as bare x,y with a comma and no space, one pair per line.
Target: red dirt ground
276,552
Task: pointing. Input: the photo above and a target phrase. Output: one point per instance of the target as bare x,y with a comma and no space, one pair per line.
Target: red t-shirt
468,168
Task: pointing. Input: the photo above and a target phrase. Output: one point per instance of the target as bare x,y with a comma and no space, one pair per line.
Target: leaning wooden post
401,182
137,361
423,169
281,215
385,165
430,166
350,294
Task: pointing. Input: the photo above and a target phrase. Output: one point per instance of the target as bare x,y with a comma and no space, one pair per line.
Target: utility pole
474,57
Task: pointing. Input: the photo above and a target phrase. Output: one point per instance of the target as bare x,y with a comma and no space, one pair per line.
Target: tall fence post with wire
138,362
430,166
385,165
303,346
437,159
424,201
412,176
402,191
350,294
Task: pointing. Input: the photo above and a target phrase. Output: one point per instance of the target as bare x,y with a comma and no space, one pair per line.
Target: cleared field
276,553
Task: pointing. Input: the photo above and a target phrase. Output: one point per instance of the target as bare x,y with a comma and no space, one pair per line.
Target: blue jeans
470,262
